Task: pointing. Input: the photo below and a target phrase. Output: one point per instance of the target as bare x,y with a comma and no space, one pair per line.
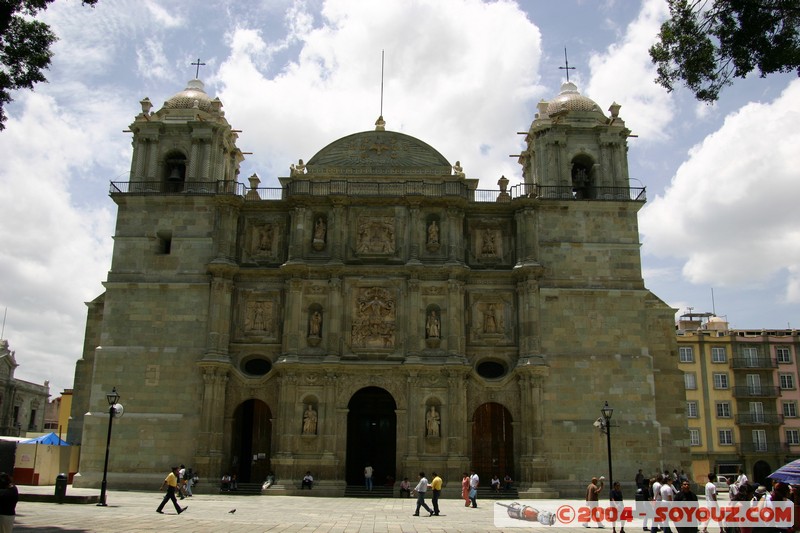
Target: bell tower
186,146
573,149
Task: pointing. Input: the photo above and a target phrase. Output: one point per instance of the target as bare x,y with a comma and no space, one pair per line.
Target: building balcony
762,391
749,363
761,447
759,419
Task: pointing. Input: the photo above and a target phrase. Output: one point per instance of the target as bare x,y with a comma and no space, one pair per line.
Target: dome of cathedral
569,99
192,96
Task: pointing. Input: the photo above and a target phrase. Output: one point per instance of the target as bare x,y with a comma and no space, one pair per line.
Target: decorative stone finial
147,105
380,124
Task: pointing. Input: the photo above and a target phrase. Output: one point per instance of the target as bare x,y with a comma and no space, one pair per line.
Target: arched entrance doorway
371,435
761,470
250,446
492,442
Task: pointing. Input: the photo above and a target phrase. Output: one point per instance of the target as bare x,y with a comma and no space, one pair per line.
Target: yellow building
741,396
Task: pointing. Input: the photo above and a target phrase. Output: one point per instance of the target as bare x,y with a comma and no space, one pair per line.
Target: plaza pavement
131,512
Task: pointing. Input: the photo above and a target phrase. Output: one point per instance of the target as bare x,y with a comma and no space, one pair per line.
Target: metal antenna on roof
3,331
566,62
381,82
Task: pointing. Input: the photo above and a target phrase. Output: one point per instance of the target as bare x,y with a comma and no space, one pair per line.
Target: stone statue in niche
375,235
315,324
433,234
432,422
309,420
320,232
433,325
374,320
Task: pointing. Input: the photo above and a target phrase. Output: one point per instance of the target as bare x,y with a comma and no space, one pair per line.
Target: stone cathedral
377,308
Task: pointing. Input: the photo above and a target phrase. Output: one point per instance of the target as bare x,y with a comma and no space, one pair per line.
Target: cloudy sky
462,75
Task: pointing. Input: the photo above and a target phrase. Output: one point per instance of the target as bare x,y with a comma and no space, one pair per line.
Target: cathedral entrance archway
250,446
492,441
760,472
371,435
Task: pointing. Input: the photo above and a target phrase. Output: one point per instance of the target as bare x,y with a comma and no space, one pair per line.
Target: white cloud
162,16
730,209
624,73
457,75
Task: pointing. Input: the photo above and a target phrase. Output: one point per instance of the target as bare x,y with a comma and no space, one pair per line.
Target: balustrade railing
457,189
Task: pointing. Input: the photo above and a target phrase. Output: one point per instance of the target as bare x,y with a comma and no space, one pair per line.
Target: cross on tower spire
198,64
566,62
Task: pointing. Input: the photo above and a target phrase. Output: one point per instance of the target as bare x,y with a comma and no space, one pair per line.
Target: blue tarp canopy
51,438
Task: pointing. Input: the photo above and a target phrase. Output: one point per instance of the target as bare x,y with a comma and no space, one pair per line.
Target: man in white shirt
474,481
656,498
420,489
711,496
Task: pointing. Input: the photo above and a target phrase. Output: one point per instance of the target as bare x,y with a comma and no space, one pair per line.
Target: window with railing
750,356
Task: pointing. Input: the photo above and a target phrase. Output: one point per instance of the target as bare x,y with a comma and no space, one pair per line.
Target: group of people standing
469,491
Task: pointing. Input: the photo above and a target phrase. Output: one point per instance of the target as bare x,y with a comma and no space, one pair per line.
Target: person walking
9,495
420,489
436,487
593,495
686,495
474,481
171,482
616,501
465,489
368,477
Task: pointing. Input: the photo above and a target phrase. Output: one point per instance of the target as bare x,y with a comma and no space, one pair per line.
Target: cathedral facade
377,308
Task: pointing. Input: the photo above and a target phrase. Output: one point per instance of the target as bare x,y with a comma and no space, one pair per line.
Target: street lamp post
112,398
607,412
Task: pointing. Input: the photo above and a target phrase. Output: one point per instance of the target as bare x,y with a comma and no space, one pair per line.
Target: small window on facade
690,380
790,409
792,437
783,355
787,381
694,437
686,354
720,380
723,410
691,409
164,242
718,354
726,437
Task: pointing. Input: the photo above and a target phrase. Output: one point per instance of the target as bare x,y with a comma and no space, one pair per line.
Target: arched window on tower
583,186
174,172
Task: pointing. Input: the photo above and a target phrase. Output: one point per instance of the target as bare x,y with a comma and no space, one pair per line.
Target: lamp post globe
112,398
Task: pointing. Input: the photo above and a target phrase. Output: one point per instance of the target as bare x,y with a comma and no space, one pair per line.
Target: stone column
152,163
413,235
210,439
194,156
335,319
456,327
455,234
219,311
327,415
294,324
338,234
298,223
414,320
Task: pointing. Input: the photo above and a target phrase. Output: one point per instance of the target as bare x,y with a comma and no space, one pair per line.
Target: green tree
24,47
705,44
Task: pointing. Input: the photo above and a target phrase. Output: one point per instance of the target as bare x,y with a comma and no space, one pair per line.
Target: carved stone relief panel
374,315
492,318
258,316
375,235
262,241
490,242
